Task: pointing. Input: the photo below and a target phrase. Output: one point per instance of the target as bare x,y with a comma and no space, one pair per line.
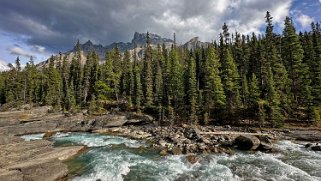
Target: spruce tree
292,54
147,74
191,94
214,96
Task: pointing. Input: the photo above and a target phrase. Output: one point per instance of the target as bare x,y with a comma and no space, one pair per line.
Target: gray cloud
57,24
16,50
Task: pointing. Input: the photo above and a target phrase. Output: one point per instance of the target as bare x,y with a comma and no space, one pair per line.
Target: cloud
17,50
305,20
57,24
39,49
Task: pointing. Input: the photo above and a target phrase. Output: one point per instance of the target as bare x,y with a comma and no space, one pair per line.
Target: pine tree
280,75
138,92
76,73
292,54
175,89
214,96
128,82
254,97
147,74
191,94
229,75
158,77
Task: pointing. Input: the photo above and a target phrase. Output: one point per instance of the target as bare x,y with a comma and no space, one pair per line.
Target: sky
40,28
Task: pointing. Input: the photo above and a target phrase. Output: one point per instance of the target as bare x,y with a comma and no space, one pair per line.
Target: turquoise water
112,158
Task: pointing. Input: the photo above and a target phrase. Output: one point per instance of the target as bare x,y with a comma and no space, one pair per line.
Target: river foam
113,158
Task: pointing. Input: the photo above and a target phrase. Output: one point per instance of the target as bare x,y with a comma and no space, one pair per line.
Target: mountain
194,43
3,66
139,40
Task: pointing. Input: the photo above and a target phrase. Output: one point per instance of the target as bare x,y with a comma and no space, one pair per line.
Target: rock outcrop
34,160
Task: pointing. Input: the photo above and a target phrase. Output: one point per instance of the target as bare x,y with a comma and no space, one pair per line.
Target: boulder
266,144
265,147
247,142
316,148
308,145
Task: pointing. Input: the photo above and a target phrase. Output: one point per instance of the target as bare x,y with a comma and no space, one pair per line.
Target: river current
112,158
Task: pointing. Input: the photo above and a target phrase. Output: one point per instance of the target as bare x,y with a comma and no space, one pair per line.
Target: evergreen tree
191,94
292,54
147,74
214,96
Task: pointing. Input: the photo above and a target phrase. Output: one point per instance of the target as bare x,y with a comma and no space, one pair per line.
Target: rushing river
112,158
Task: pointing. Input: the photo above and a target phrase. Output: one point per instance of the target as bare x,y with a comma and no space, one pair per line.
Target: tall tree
147,74
292,54
214,96
191,94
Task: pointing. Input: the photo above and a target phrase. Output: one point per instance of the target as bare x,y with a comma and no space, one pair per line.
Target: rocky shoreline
39,160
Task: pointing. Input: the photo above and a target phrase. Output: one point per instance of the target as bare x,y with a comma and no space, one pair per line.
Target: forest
266,79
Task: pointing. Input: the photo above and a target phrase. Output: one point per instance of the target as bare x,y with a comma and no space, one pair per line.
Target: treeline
263,78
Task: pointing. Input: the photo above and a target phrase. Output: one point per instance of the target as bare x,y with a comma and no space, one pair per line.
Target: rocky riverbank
42,159
196,140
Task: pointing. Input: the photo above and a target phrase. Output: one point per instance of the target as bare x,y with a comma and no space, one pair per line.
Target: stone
192,159
247,142
176,151
187,141
162,143
163,152
308,145
316,148
39,170
265,147
12,175
49,134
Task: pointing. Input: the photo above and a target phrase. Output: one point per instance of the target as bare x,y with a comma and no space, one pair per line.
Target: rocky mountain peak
194,43
139,39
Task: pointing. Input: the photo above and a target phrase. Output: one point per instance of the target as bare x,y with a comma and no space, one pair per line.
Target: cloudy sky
40,28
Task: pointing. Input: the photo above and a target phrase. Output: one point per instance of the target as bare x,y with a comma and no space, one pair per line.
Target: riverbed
118,158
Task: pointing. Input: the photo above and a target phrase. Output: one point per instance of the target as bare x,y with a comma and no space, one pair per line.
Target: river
112,158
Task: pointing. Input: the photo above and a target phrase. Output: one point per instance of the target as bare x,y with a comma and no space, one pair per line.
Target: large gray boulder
247,142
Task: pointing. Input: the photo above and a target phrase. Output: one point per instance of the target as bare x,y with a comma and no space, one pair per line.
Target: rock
85,112
227,127
308,145
316,148
49,134
247,142
206,141
192,133
192,159
187,141
39,170
162,143
163,152
265,147
7,139
176,151
12,175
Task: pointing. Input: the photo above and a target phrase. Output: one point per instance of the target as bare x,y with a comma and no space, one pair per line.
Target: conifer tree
147,74
292,54
138,92
214,96
191,94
